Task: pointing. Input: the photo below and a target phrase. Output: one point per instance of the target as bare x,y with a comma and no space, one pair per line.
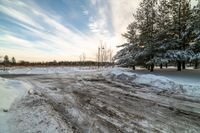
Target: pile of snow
10,90
161,83
34,115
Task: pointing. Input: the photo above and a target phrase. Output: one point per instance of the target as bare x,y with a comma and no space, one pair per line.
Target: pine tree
126,56
180,11
140,48
13,61
146,21
162,41
6,60
163,31
194,28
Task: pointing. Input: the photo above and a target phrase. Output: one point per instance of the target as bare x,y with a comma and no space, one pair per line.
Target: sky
46,30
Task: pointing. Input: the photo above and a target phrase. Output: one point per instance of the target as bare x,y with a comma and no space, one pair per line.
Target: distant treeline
63,63
9,63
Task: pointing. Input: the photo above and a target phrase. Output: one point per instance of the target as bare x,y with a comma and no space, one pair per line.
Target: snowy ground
46,70
10,91
62,100
188,76
186,82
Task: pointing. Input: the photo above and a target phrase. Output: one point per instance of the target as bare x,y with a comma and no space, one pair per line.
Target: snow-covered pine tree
146,24
194,28
196,59
162,36
126,56
163,30
180,12
179,56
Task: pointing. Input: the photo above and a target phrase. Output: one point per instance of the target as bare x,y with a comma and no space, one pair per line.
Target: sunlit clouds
62,29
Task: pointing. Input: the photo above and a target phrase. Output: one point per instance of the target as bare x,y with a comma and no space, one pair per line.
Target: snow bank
10,90
156,82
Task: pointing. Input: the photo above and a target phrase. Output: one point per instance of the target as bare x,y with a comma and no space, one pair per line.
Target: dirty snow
171,84
84,100
187,81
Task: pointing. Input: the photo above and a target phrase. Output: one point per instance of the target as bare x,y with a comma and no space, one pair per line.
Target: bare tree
0,58
104,54
101,52
110,52
82,58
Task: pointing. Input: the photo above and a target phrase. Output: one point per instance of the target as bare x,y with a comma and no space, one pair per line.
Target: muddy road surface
93,103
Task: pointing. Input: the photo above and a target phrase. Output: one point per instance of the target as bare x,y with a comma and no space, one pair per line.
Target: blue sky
44,30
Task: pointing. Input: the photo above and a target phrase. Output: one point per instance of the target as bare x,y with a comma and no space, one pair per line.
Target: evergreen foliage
163,31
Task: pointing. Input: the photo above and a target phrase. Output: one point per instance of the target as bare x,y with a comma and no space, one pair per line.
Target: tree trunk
148,67
166,65
179,65
152,68
190,63
133,67
183,65
161,66
196,64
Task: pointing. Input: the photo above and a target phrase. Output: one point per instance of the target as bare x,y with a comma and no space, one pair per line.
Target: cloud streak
52,36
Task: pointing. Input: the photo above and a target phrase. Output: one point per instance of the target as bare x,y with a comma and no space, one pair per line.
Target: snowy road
91,102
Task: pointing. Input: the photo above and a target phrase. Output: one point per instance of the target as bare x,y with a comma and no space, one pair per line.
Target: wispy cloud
18,41
94,2
85,11
53,36
20,16
112,19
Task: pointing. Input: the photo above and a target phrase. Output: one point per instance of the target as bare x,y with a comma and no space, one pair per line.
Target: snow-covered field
64,99
46,70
